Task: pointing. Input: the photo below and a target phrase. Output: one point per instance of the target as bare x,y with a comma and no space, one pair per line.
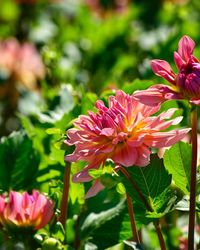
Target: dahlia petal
136,141
72,157
95,189
125,155
2,204
143,156
185,47
159,122
73,136
165,125
195,101
165,139
37,207
178,60
15,201
163,69
48,212
83,175
154,95
107,131
100,106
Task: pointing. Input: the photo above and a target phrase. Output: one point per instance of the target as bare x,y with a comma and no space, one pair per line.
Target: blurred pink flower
22,62
25,211
102,9
123,132
184,85
183,241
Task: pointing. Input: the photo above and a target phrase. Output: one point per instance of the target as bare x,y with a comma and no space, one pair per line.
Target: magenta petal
96,188
163,69
178,60
155,95
46,213
107,131
195,101
185,47
2,204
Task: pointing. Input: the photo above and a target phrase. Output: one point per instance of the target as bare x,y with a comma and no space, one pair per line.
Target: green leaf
153,182
70,230
52,131
58,232
120,188
137,84
100,226
177,161
19,162
96,173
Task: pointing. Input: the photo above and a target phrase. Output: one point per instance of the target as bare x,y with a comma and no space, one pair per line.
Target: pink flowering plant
99,125
25,211
22,213
183,85
15,62
124,132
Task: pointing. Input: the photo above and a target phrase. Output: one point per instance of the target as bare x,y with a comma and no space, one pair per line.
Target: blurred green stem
193,179
64,200
147,205
132,219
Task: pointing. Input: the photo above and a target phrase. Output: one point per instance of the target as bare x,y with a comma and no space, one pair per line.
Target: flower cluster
25,211
184,85
21,62
124,132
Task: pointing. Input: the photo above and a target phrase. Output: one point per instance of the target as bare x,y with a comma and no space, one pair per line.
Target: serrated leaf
177,161
153,181
96,220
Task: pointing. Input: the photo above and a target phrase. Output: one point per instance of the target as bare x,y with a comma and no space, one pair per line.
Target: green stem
147,205
64,201
193,180
132,219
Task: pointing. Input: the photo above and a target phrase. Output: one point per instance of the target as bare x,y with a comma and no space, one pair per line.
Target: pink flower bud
25,210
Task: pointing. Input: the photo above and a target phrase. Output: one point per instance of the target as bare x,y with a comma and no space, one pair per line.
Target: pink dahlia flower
25,211
184,85
22,62
124,132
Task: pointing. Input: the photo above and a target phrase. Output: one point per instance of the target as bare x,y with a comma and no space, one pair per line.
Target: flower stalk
193,179
65,196
132,219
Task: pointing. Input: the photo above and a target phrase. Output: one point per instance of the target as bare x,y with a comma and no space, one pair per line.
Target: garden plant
99,125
